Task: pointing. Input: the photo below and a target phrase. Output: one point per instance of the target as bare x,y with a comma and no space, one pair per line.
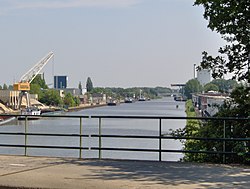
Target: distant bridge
181,86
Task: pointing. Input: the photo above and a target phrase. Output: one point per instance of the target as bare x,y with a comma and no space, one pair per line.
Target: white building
209,103
204,76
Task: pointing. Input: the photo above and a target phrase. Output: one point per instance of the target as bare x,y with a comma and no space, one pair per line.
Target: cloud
8,5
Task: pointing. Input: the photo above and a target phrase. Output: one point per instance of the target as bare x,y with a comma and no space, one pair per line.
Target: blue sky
118,43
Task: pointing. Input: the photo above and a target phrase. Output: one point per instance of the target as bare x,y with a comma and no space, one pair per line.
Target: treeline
220,85
148,92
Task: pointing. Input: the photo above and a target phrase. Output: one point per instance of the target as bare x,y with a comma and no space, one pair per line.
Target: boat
30,113
6,119
141,98
111,103
180,98
128,100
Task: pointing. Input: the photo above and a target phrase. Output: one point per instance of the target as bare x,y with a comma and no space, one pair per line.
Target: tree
211,87
225,85
35,89
231,19
77,101
5,87
10,87
51,97
192,86
69,100
1,87
40,81
80,85
89,85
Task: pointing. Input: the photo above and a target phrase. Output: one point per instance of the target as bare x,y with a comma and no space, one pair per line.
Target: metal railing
160,137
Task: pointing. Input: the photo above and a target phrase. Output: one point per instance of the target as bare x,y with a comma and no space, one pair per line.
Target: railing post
224,142
160,139
80,151
25,137
100,138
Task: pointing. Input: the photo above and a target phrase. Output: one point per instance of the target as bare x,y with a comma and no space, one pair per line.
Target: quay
45,172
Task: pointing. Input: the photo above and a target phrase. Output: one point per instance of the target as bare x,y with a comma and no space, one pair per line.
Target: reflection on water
162,107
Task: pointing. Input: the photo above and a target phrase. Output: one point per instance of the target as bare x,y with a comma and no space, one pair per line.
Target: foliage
69,100
51,97
5,87
148,92
40,81
190,130
89,85
230,18
238,106
192,86
80,86
10,87
77,101
211,87
1,87
225,86
37,86
36,89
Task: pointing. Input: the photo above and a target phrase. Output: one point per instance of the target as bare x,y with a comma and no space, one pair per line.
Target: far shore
85,106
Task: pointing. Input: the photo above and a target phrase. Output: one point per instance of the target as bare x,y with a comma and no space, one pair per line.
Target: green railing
160,137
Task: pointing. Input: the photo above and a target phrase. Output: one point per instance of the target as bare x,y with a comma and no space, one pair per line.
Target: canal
160,107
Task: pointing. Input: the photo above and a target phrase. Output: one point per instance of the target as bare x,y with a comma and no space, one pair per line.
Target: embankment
85,106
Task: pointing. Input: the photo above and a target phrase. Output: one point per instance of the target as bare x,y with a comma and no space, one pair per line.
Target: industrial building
60,82
204,76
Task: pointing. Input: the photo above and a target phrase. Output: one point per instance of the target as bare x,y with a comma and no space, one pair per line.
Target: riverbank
85,106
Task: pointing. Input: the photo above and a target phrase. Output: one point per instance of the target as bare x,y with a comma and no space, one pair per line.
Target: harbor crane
24,83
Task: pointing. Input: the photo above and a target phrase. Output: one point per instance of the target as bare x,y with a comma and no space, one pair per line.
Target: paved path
43,172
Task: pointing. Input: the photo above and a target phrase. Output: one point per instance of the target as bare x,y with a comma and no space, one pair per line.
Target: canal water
160,107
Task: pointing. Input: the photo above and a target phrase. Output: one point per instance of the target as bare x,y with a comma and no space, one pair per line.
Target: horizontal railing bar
201,138
43,134
197,152
40,146
127,136
156,150
130,117
116,149
125,149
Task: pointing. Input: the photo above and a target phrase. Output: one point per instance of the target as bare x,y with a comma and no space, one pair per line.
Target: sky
117,43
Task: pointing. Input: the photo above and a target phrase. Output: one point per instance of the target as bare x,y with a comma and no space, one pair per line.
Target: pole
25,137
100,139
80,151
159,139
224,142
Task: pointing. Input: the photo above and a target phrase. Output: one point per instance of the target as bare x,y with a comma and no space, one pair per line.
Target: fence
100,148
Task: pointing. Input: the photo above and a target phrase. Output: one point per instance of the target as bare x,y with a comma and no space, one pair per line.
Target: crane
24,83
